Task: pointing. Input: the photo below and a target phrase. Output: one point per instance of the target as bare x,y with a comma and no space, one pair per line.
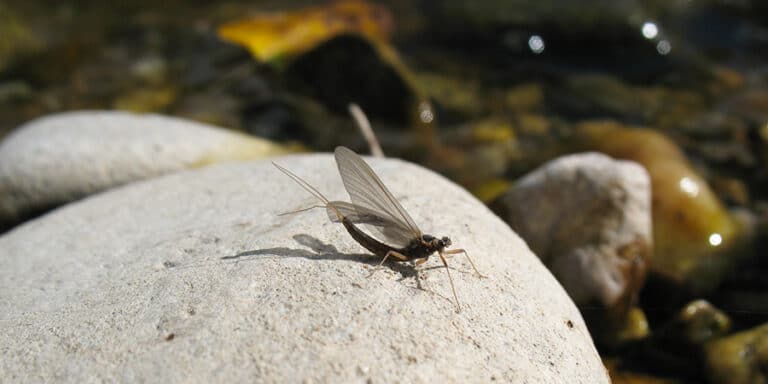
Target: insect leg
421,261
453,288
455,251
396,254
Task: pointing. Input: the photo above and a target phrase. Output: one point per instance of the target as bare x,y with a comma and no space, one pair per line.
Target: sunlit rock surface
587,217
693,233
193,277
64,157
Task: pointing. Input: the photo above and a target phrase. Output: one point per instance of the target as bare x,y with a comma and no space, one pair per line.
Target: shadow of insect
319,250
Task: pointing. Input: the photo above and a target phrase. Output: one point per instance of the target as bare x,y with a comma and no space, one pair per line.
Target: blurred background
482,92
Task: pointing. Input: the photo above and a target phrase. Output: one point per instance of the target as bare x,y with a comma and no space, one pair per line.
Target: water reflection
650,30
715,239
425,113
689,186
536,44
663,47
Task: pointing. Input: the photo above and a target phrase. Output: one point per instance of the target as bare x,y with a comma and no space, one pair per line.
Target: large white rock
588,217
63,157
193,277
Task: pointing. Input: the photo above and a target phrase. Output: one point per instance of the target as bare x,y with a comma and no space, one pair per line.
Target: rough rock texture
63,157
194,277
588,217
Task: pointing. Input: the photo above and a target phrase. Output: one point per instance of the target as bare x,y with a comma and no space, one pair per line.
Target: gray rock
588,217
63,157
194,277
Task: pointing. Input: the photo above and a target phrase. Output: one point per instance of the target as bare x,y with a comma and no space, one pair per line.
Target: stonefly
374,205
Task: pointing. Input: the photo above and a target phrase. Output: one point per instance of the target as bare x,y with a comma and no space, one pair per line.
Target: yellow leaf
273,35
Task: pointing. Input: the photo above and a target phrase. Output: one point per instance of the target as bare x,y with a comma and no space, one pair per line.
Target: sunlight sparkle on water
715,239
650,30
664,47
689,186
425,113
536,44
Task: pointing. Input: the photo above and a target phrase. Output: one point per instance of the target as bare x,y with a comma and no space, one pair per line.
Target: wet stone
740,358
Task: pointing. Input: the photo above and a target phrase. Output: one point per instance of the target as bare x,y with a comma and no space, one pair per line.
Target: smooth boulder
194,277
63,157
588,217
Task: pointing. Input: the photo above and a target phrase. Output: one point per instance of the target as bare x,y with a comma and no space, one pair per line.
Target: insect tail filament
312,190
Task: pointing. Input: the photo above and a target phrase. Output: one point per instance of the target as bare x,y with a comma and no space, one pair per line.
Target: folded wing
372,203
381,226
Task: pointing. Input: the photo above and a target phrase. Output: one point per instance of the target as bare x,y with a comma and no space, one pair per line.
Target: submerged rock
457,97
194,275
740,358
609,96
621,331
524,98
678,343
143,100
479,151
751,105
619,375
699,322
18,37
587,217
64,157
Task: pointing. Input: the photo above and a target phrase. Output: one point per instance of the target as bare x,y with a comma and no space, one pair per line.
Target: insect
374,206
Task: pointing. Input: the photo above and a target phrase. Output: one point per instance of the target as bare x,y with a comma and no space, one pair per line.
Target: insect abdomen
376,247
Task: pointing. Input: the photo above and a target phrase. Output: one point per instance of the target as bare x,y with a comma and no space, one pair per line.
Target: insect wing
393,232
367,191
